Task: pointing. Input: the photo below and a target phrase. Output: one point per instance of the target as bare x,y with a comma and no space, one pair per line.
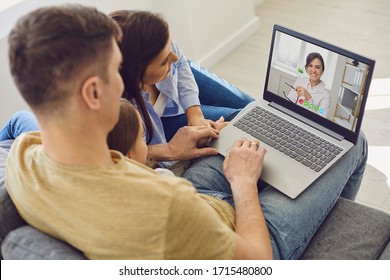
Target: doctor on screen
310,91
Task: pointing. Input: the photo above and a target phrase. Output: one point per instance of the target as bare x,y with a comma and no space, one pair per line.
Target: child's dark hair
123,136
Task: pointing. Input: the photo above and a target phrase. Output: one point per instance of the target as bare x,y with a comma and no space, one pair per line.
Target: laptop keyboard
284,136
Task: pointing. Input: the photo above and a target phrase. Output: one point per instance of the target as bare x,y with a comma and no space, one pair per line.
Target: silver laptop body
302,143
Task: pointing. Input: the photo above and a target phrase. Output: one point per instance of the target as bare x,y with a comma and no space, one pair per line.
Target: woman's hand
198,121
195,118
218,124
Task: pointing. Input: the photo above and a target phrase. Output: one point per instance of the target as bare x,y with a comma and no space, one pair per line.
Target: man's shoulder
28,138
22,147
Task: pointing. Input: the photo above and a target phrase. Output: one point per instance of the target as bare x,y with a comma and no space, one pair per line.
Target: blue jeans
291,222
21,121
217,98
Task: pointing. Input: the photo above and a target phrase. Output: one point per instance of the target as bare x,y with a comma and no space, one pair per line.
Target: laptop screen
318,81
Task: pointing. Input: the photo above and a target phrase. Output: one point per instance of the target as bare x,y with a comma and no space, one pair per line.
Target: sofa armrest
351,231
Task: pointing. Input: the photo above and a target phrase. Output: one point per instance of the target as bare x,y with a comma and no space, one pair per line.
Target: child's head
127,136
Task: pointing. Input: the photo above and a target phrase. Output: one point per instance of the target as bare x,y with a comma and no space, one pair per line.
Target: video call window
321,81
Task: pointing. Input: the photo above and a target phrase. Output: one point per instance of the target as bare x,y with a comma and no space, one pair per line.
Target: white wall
258,2
205,31
211,28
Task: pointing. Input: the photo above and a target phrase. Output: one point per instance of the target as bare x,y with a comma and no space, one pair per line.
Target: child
128,138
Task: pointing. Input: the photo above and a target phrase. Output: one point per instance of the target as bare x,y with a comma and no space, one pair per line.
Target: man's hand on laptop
242,168
244,163
188,142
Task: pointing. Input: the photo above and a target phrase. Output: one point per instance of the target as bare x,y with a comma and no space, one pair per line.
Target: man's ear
90,92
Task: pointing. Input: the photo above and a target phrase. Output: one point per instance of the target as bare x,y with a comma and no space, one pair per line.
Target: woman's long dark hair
145,35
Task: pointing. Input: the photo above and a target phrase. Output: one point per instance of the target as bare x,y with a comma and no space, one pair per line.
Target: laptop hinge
306,121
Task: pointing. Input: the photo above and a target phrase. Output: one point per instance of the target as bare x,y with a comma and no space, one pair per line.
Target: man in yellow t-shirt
66,182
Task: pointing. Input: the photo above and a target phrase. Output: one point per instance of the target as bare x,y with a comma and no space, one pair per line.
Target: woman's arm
188,90
195,116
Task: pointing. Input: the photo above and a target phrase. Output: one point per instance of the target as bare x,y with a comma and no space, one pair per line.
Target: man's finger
238,143
255,145
206,152
205,127
208,132
246,144
262,151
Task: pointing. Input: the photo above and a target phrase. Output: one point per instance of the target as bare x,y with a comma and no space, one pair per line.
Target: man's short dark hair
51,46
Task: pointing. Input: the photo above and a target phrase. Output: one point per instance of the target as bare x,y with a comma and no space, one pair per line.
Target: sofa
350,231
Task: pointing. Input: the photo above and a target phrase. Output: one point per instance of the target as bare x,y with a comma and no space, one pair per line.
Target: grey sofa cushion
351,231
9,218
27,243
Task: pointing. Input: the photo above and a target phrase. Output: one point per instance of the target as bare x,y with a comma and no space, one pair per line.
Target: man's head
56,53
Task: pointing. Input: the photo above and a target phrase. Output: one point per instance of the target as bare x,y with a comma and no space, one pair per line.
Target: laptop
304,134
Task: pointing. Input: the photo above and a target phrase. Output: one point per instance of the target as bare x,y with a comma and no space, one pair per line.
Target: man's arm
242,168
184,144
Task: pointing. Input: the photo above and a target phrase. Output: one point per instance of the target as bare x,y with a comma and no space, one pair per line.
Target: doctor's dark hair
311,56
50,47
145,35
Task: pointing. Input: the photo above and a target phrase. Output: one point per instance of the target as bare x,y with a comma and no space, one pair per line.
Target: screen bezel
317,119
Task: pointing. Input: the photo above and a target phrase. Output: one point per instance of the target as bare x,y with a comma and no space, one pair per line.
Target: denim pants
217,98
291,222
21,121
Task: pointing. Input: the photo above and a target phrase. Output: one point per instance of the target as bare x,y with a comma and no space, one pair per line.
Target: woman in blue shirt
169,91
